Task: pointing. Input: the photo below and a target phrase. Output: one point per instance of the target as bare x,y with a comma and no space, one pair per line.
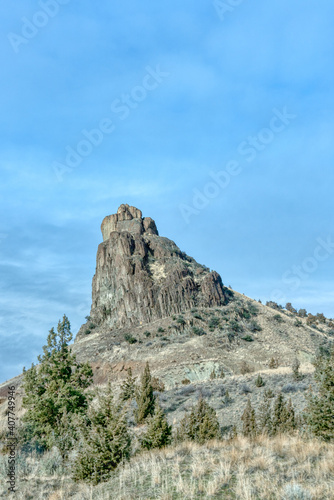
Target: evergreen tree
145,397
249,421
201,425
54,393
104,440
128,387
290,417
264,417
319,414
279,415
158,433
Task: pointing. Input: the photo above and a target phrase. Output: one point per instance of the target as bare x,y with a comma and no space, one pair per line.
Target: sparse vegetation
130,338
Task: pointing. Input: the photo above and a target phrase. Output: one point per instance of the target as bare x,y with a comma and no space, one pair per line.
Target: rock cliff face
142,277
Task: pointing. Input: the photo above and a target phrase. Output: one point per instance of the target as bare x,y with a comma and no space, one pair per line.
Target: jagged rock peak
128,219
142,277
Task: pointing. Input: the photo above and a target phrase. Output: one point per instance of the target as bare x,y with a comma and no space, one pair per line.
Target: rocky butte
142,277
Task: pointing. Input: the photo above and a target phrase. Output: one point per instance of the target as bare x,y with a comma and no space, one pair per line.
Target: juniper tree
319,414
158,433
145,397
249,421
54,393
264,417
128,387
290,423
201,425
104,440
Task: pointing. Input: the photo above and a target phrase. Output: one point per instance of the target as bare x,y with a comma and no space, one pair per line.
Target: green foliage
128,387
201,425
320,408
198,331
197,316
158,433
235,326
214,322
278,318
130,338
104,441
180,320
54,394
302,313
249,421
259,382
145,398
264,420
160,330
253,326
248,338
283,418
147,333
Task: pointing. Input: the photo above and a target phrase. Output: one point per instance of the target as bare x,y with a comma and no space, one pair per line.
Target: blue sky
149,104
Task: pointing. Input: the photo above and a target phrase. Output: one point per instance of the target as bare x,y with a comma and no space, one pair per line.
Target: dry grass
284,467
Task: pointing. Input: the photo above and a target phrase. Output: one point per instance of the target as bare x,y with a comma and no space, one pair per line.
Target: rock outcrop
142,277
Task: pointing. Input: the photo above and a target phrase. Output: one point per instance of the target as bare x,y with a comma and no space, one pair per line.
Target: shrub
298,323
269,393
278,318
253,326
214,322
130,338
248,338
185,381
253,309
235,326
198,316
147,333
180,320
160,330
198,331
259,382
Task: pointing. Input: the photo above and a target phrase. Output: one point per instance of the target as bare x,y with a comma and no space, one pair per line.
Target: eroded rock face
142,277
